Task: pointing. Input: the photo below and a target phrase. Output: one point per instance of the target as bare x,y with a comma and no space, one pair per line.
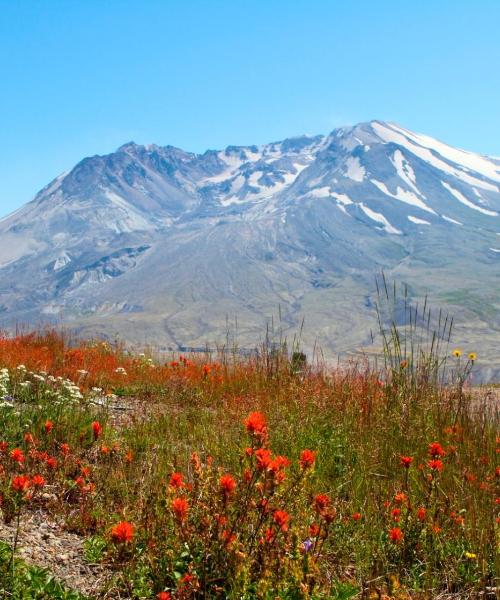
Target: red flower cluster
21,483
96,429
436,450
176,480
307,458
17,455
227,485
180,507
321,503
396,536
123,532
406,461
281,518
435,464
256,424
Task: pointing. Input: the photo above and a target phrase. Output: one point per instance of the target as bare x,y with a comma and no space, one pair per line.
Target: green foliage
94,548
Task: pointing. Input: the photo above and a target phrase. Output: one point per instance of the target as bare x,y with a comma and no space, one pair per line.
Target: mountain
162,246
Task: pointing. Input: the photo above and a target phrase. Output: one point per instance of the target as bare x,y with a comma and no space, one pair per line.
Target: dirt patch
45,543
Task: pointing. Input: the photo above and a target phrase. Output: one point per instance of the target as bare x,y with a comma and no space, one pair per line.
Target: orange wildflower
122,532
17,455
180,507
176,480
227,485
256,424
281,518
307,458
406,461
396,535
21,483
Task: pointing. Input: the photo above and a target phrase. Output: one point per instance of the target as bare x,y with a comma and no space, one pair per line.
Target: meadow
222,476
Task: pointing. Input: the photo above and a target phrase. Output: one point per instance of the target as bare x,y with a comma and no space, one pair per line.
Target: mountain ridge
160,245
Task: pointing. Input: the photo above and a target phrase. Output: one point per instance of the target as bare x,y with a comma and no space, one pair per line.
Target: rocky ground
45,543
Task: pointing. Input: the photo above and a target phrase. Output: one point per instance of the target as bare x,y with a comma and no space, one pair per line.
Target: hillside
162,246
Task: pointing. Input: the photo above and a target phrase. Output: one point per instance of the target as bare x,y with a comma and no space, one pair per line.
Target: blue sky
81,77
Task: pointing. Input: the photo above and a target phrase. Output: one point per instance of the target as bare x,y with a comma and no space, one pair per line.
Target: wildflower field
257,477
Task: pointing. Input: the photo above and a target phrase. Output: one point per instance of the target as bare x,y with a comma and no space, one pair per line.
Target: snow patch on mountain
403,196
354,169
379,218
417,221
397,136
405,171
450,220
461,198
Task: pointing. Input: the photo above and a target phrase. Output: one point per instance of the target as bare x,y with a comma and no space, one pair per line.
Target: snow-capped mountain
160,245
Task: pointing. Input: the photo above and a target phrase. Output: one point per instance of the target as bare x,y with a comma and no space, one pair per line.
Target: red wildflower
396,513
406,461
64,448
4,446
122,532
396,535
314,530
435,464
227,484
263,458
435,450
21,483
51,462
96,429
176,480
421,512
356,516
256,424
29,438
281,518
180,507
228,537
400,498
321,502
307,458
186,580
129,457
38,481
278,463
163,596
80,481
48,426
17,455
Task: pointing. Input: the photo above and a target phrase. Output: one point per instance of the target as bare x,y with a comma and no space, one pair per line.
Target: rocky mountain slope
155,244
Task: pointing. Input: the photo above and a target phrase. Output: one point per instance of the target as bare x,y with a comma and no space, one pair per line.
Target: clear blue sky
81,77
